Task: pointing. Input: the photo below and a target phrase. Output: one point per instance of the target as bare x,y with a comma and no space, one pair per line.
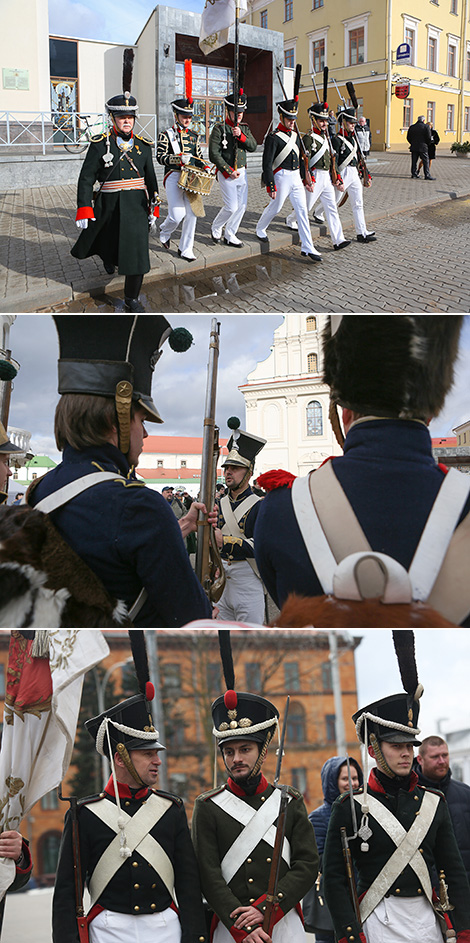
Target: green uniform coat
224,157
214,832
438,847
120,233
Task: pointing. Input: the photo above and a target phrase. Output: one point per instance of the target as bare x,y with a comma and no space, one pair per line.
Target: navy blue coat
129,536
458,800
391,480
329,782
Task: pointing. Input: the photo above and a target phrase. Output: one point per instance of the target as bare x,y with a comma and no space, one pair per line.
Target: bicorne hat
243,447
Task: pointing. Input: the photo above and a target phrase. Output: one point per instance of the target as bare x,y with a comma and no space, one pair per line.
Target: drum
195,180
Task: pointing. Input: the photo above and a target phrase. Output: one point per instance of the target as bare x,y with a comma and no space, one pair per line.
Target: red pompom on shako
230,700
276,478
149,691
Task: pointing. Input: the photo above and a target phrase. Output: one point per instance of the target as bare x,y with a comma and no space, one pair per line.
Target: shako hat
348,114
243,447
185,106
290,107
129,724
6,446
125,103
393,718
115,357
391,365
242,716
319,110
242,102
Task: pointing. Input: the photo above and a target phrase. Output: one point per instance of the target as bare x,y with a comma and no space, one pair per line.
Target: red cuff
84,212
242,138
345,940
227,173
277,912
28,862
463,936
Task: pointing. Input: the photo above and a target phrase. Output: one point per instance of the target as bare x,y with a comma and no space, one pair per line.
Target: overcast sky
114,21
180,379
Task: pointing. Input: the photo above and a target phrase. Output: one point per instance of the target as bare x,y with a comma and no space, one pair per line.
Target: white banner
217,18
40,721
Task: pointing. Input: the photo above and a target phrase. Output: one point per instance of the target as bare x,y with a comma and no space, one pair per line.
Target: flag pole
236,72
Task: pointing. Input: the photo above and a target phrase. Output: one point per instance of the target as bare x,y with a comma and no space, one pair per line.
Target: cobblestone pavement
418,262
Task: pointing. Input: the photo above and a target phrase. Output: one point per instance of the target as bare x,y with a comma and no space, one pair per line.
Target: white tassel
40,646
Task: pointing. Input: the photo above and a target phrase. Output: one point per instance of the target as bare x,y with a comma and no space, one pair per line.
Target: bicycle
83,135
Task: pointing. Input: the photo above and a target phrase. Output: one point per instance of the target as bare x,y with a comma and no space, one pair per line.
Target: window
468,66
289,58
317,4
312,363
326,681
2,680
299,779
454,7
263,19
356,46
253,676
311,324
214,678
288,10
291,676
296,724
171,675
318,55
407,112
159,463
450,118
314,418
451,59
50,800
330,725
34,476
432,54
48,853
183,463
410,39
431,112
466,119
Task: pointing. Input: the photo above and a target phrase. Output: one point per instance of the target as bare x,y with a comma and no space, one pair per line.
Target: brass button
248,929
136,887
153,887
349,928
268,860
280,896
398,891
250,880
419,890
421,851
135,864
416,798
262,799
136,908
248,860
351,938
252,900
201,939
153,906
101,795
127,802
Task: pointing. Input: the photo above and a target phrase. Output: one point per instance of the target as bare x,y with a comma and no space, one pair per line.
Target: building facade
287,401
359,43
175,460
273,664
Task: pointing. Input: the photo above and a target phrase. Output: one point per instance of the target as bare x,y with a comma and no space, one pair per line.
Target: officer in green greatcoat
115,222
234,830
228,145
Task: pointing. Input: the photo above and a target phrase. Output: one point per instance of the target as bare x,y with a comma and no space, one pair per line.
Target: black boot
132,286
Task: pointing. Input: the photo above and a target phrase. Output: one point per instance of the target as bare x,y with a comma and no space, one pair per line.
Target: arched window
296,724
314,418
312,363
311,324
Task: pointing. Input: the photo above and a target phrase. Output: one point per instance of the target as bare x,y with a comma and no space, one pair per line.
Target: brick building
271,663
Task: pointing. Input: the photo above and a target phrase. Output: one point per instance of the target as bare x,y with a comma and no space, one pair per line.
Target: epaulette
88,800
343,796
212,792
134,484
437,792
294,792
97,137
145,140
168,795
277,478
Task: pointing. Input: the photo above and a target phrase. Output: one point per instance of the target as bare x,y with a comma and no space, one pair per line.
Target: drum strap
174,141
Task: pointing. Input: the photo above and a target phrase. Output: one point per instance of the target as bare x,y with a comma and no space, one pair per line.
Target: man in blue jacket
432,767
125,532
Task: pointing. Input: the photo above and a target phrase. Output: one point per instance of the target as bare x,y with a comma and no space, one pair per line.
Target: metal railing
73,131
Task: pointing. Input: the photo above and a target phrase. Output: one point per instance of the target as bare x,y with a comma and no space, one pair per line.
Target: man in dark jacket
419,137
432,767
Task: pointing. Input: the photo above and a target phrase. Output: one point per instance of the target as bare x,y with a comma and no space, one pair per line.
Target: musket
208,558
298,72
333,171
77,871
362,168
271,896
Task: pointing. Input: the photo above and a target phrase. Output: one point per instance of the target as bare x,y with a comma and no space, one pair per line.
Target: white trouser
289,184
402,921
352,183
243,597
235,197
179,208
111,927
326,192
288,930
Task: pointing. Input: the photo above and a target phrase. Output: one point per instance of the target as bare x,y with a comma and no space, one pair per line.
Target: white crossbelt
406,853
290,145
137,830
232,523
257,826
319,153
74,488
352,153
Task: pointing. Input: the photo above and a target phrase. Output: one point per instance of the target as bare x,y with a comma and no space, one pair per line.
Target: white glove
152,221
83,223
185,158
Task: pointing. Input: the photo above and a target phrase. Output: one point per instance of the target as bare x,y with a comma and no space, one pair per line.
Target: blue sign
404,53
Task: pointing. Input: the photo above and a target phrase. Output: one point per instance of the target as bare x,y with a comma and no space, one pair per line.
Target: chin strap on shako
123,401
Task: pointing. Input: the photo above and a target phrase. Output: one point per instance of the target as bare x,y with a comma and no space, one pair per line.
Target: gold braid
381,761
124,754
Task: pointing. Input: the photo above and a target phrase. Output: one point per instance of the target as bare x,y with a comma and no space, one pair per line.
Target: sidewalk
37,231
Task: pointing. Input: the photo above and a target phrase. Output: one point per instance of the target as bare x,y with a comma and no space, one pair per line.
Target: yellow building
359,43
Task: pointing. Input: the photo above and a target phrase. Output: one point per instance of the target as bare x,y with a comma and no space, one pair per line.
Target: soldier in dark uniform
404,830
136,855
234,870
115,223
390,374
243,596
7,448
284,176
319,162
125,532
347,160
178,147
228,145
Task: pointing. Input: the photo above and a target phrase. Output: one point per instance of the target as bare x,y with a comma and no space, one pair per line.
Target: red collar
238,791
124,791
282,127
376,785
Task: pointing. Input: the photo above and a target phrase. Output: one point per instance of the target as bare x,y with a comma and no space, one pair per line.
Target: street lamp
100,692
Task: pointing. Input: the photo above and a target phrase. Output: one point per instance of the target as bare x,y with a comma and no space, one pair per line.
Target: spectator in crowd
363,135
431,146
